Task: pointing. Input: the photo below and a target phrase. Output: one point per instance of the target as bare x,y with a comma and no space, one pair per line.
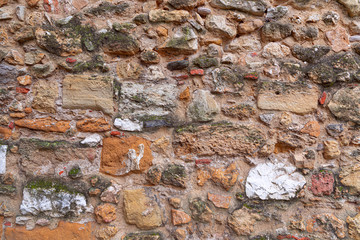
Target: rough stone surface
203,108
276,180
219,200
297,98
345,104
66,230
179,217
3,149
213,139
44,124
83,92
322,183
136,202
252,7
242,221
105,212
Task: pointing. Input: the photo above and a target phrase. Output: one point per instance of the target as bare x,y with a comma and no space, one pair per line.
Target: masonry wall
179,119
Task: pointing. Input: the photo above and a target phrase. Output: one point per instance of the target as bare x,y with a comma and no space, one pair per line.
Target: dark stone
109,8
177,65
183,4
276,31
7,73
205,62
25,34
124,27
150,57
257,7
156,123
276,13
200,210
120,43
75,172
330,18
334,130
141,19
174,175
154,175
311,54
144,236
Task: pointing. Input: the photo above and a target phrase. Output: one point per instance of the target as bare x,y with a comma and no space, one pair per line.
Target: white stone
128,125
20,12
51,203
247,43
277,180
92,140
219,24
354,38
275,50
3,149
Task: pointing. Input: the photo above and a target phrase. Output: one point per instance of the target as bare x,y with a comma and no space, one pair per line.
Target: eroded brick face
179,119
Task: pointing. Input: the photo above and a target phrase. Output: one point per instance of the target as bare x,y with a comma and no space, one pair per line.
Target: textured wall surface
179,119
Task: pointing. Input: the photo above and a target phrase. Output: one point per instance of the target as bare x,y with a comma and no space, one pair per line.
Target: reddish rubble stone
179,217
252,76
219,200
181,77
199,72
22,90
11,125
322,98
291,237
51,6
322,183
203,161
70,60
115,133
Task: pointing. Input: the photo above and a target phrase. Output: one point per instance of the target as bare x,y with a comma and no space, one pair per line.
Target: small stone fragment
312,128
242,221
220,201
322,183
44,124
105,213
200,211
154,175
179,217
331,149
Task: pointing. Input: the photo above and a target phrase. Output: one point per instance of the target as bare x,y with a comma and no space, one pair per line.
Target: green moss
74,171
247,206
97,63
205,62
7,189
48,145
123,27
42,184
189,128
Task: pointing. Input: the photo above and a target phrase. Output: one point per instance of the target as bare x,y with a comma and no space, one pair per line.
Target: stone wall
179,119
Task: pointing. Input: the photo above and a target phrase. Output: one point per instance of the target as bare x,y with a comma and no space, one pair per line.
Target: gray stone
183,4
184,41
277,180
219,25
3,149
334,130
147,99
20,12
203,108
345,104
5,14
203,11
226,79
249,6
7,74
43,70
267,117
245,43
276,13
